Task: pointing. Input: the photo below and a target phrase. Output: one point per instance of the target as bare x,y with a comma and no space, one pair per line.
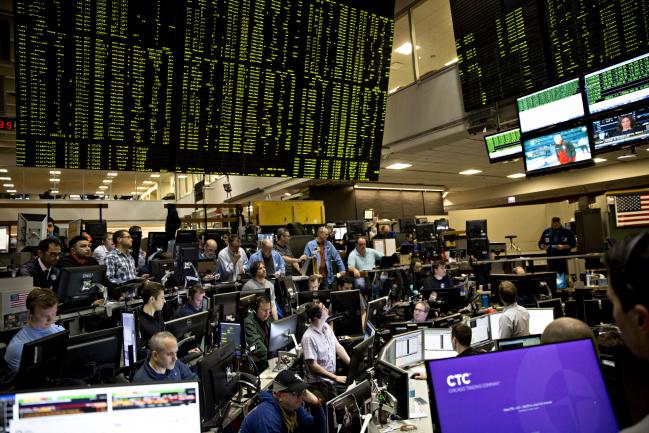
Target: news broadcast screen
557,150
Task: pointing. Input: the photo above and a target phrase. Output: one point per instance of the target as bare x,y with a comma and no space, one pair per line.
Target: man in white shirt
102,251
232,260
515,321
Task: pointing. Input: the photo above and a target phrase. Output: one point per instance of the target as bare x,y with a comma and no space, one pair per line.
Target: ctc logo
458,379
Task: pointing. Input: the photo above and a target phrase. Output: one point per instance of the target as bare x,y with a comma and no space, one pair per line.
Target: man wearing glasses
282,411
42,268
120,266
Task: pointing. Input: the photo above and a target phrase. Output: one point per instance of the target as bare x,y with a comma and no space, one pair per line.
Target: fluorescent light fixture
3,170
8,185
397,187
107,181
11,190
627,156
451,62
516,175
53,179
181,176
111,174
598,160
103,187
5,178
55,172
470,171
155,175
141,188
54,191
398,166
148,182
405,49
77,196
99,193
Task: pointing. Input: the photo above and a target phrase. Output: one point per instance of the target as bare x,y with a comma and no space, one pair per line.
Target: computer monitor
304,297
479,330
356,227
370,330
518,342
376,311
529,287
91,353
397,328
159,268
339,233
598,311
156,241
78,285
425,232
5,238
348,304
280,333
552,387
360,359
189,330
441,225
42,360
407,225
96,229
230,332
436,340
555,304
539,319
130,338
225,306
396,381
409,348
494,325
173,406
216,379
187,253
343,412
186,237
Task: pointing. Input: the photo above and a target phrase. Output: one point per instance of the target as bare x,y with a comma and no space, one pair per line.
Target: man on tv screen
564,150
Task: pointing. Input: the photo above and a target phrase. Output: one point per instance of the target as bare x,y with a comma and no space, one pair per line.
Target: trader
557,240
461,340
150,314
232,260
103,250
209,250
257,325
281,411
42,268
326,255
273,261
162,365
283,248
194,303
80,254
439,280
120,266
515,320
259,282
420,312
362,258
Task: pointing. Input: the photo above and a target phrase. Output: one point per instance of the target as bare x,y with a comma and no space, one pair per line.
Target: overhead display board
279,88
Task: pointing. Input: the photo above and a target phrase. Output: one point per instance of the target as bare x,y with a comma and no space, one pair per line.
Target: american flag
17,300
632,210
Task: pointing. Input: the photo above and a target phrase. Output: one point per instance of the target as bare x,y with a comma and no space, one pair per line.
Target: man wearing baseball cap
281,411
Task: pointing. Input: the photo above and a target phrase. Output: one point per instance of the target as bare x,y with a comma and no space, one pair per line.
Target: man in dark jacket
257,325
162,365
42,269
80,254
557,240
281,411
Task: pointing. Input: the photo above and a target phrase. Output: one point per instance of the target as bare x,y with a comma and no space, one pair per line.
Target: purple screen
549,388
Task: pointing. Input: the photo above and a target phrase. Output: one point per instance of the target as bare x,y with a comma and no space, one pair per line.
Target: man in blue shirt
194,303
362,259
326,254
273,261
557,240
41,311
163,365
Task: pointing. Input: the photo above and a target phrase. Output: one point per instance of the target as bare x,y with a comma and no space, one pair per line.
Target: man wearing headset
628,265
320,347
257,325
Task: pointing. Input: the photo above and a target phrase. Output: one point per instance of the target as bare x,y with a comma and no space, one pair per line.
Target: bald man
566,329
209,249
272,259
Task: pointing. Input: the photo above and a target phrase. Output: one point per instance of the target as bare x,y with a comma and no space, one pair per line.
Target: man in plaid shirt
120,266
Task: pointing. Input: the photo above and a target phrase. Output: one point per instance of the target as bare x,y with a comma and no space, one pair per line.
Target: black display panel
281,88
504,145
557,150
620,130
499,49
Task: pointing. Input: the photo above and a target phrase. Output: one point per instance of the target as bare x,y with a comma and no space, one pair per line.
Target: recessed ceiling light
182,176
148,182
141,188
99,193
627,156
516,175
103,187
54,191
53,179
470,171
11,190
107,181
111,174
3,170
155,175
8,185
5,178
598,160
55,172
398,166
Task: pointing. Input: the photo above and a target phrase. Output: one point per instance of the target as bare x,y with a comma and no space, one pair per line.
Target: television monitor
78,285
230,332
504,145
409,349
42,360
189,330
217,383
397,382
130,339
518,342
91,353
360,359
186,237
225,306
304,297
280,333
552,387
555,304
557,150
347,304
550,106
539,319
339,233
425,232
618,85
346,409
121,408
376,311
494,325
159,268
479,330
157,241
356,227
619,130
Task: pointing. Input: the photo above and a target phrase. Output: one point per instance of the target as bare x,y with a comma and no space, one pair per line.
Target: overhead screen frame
507,157
561,167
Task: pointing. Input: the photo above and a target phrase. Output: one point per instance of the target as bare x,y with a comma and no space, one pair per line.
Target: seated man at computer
320,348
414,278
271,259
439,279
362,259
420,312
194,303
209,250
232,260
42,268
281,411
314,282
41,312
461,340
410,242
283,248
104,249
257,325
80,254
162,365
150,318
259,282
515,321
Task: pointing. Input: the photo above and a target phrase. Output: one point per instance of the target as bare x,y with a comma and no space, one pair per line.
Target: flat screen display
547,388
621,84
504,145
557,150
550,106
621,130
